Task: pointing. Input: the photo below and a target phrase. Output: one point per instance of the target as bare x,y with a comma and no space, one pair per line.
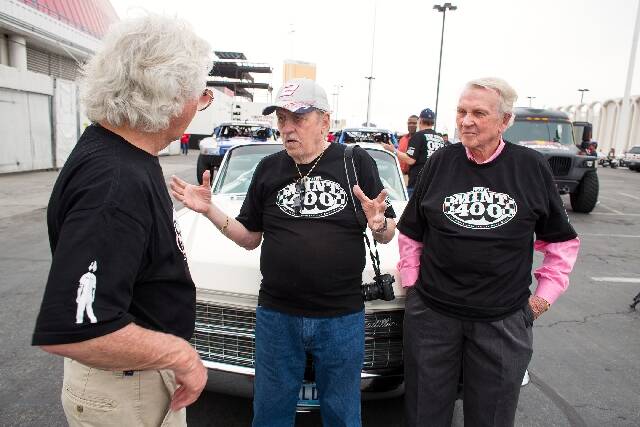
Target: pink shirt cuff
409,264
553,275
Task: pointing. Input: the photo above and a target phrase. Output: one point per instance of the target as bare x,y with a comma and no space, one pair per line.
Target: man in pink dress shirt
466,252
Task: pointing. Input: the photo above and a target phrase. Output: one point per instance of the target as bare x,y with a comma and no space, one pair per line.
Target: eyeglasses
205,99
299,199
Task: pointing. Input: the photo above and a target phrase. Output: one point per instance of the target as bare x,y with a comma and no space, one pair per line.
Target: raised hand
373,208
195,197
389,147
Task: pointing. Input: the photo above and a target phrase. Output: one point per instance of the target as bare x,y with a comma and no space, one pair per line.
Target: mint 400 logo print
480,208
321,198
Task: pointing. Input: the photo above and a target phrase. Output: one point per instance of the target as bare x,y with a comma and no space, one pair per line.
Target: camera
380,288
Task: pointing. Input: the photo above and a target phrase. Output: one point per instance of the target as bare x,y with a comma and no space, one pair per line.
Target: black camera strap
352,176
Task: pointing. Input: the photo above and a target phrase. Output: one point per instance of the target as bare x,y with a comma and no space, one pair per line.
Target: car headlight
211,151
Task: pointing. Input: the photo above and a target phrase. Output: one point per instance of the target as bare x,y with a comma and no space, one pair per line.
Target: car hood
220,267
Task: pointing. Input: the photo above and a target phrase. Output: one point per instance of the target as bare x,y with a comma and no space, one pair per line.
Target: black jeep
551,133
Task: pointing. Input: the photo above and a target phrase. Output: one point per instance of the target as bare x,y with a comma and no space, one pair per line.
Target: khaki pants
95,397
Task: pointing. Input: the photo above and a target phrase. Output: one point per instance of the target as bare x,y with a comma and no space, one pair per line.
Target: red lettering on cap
288,90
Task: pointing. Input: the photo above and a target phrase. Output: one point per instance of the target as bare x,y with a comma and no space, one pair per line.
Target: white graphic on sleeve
321,198
179,242
86,294
480,208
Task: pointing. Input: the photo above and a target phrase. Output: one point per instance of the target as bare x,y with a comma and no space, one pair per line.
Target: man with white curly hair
466,250
130,362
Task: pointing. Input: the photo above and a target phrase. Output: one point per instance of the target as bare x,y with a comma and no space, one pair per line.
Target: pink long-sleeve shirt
553,276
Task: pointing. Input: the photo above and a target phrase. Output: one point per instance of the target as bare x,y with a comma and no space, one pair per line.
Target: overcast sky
544,48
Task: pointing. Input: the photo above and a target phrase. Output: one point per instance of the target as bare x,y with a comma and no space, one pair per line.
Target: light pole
442,9
337,95
530,98
582,91
370,76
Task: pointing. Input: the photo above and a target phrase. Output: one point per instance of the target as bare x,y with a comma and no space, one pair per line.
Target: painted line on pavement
629,195
617,279
611,209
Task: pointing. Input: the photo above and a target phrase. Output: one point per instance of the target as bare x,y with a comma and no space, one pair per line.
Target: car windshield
635,150
539,130
245,131
238,169
357,136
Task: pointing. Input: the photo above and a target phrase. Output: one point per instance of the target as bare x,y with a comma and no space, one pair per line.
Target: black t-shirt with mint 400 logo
477,223
117,251
313,254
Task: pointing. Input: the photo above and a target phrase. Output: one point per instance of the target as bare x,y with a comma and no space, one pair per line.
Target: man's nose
467,120
286,127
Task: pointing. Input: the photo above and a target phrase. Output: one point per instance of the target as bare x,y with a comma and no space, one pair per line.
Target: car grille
560,165
225,334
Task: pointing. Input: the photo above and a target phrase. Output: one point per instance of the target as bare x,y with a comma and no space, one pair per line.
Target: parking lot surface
585,369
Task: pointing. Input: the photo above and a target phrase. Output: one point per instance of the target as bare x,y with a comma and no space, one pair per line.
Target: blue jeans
409,191
337,347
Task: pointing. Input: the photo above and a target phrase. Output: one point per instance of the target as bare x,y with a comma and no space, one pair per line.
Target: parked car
551,133
367,135
632,158
225,136
227,279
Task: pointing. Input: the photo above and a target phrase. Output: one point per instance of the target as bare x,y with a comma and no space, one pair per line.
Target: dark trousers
493,356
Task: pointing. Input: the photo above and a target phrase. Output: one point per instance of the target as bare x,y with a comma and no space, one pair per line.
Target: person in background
184,144
403,143
421,147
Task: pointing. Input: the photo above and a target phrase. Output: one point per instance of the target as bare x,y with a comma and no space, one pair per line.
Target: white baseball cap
299,96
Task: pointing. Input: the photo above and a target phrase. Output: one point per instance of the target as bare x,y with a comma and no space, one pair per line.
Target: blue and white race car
227,135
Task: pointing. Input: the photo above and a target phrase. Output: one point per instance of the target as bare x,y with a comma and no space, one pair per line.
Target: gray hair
145,73
506,94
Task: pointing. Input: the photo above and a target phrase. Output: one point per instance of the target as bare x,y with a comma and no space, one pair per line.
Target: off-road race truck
551,133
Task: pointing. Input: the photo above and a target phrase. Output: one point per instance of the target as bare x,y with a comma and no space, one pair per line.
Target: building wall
52,64
605,116
25,120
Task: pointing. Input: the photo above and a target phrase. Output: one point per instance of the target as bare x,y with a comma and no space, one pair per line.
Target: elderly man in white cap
300,202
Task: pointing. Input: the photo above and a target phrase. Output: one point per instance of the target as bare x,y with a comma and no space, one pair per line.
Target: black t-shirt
421,146
477,223
312,258
117,250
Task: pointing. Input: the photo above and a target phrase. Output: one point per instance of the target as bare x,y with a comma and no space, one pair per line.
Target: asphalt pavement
585,369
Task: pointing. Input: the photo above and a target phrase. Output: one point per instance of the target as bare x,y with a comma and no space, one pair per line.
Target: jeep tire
585,197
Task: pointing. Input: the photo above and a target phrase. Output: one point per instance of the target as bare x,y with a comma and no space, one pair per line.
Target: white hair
506,94
146,71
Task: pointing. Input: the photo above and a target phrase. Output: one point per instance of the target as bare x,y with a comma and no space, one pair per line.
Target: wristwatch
383,228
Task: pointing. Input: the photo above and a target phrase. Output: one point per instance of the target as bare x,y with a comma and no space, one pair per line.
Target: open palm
373,208
195,197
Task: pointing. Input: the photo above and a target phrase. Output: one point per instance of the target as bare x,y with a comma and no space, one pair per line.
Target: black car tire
585,197
201,167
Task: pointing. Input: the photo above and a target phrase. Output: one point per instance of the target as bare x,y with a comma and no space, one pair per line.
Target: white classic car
227,279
